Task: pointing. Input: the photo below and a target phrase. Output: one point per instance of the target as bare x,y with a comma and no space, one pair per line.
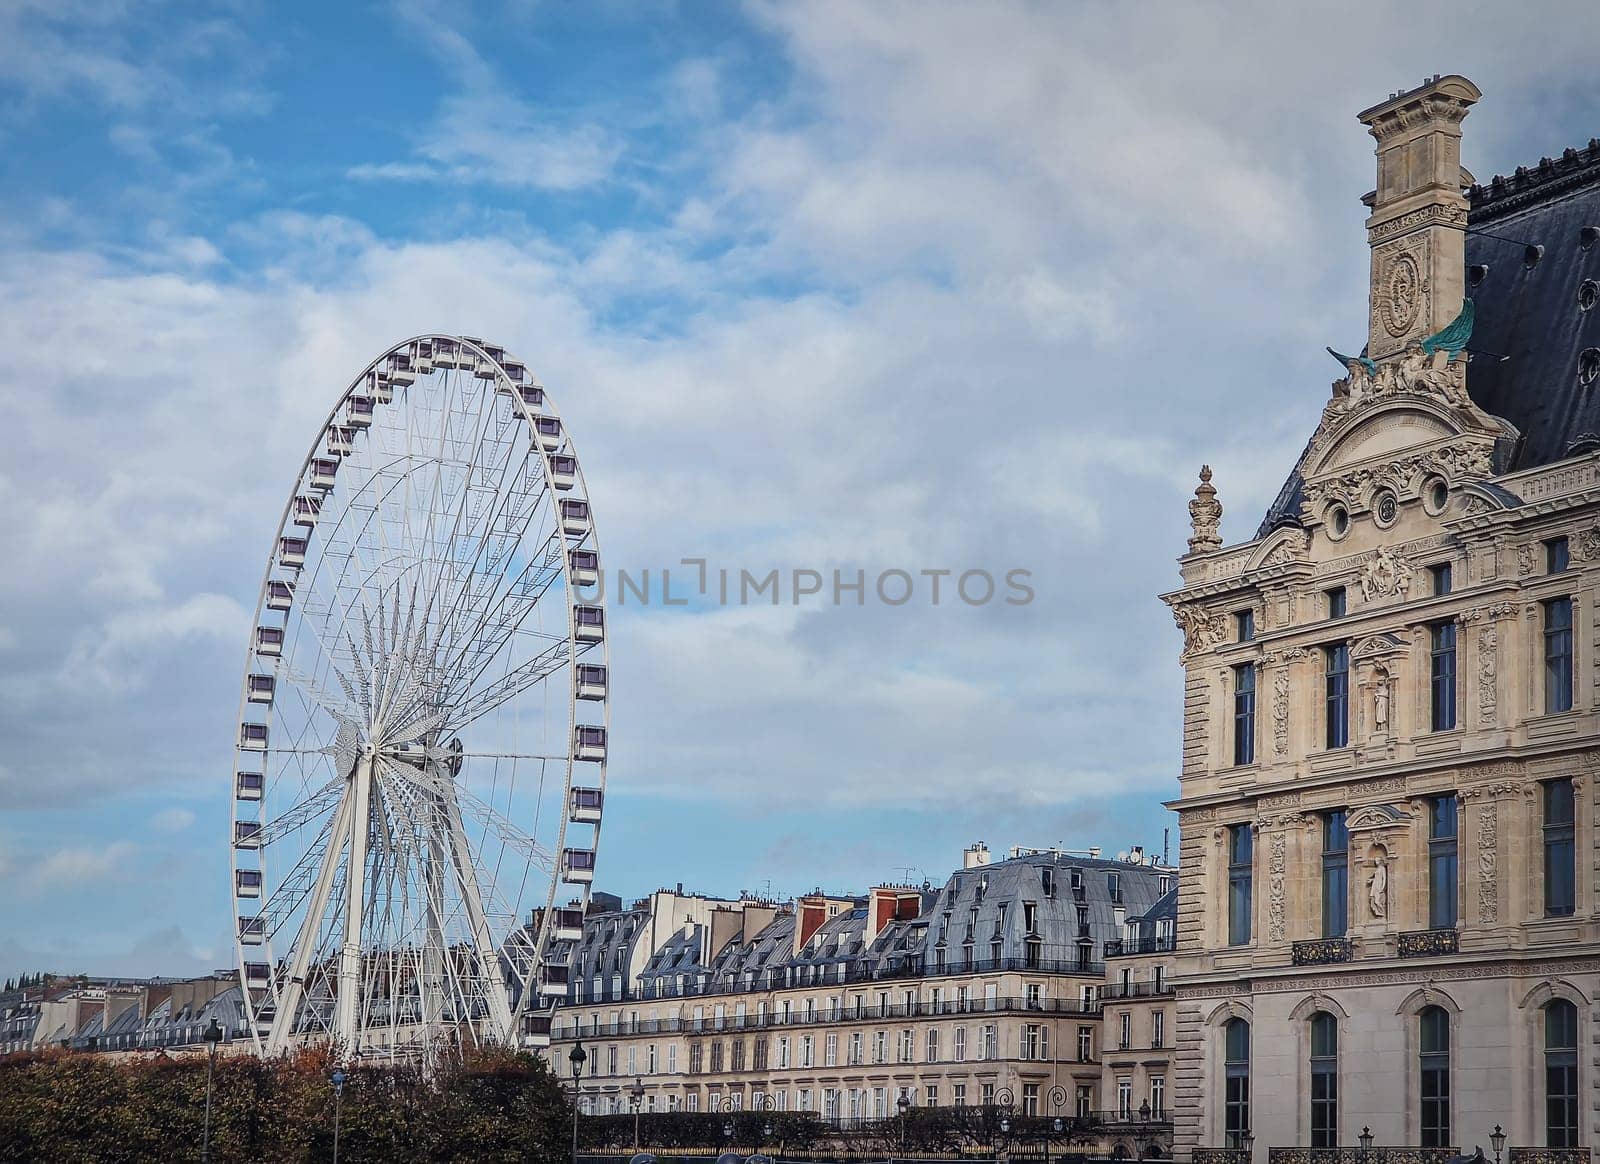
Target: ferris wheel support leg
433,953
348,1011
488,957
294,987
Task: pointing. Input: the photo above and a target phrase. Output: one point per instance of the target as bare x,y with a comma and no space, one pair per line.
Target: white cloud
83,865
172,820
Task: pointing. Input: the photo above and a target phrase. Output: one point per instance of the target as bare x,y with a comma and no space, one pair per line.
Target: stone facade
1388,803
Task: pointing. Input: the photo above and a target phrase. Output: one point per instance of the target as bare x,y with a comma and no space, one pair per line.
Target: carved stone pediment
1280,548
1379,646
1371,818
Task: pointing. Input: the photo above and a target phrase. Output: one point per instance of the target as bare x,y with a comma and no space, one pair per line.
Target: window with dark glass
1244,625
1556,557
1558,655
1434,1025
1561,1074
1336,700
1335,875
1244,714
1240,876
1236,1082
1324,1081
1336,602
1442,661
1441,578
1442,863
1560,854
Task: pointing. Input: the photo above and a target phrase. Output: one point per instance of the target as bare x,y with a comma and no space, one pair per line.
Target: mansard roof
1530,332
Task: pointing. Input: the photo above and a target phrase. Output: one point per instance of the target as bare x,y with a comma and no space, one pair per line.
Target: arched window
1561,1074
1434,1025
1236,1081
1324,1080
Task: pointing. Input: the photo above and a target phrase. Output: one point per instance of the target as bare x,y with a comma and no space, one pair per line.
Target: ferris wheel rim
536,945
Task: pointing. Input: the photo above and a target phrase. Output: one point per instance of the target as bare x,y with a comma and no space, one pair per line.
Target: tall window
1244,714
1336,602
1336,700
1240,894
1443,663
1244,623
1556,556
1236,1082
1558,655
1441,578
1442,863
1158,1097
1335,875
1560,864
1561,1074
1435,1066
1324,1081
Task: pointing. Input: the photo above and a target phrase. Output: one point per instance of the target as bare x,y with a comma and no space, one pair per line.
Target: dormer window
1047,878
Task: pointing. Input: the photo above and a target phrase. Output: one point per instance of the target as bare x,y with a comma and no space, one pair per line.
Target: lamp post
727,1131
904,1104
1005,1136
338,1079
1057,1125
1366,1143
577,1057
212,1035
1497,1140
636,1097
1248,1140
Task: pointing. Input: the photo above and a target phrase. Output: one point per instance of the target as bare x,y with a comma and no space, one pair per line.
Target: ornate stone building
1388,914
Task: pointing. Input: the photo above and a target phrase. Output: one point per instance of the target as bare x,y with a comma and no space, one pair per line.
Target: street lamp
1057,1125
904,1104
727,1130
338,1079
212,1035
577,1057
636,1097
1497,1139
1248,1140
1366,1143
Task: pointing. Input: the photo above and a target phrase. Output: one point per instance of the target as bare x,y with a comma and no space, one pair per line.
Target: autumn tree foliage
492,1106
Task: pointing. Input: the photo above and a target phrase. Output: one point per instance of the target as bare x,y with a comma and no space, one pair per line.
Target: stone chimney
975,855
1417,229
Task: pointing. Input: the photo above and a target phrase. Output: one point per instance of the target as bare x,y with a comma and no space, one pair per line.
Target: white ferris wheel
421,754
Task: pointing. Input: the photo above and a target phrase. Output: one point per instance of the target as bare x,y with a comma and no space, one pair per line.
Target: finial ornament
1205,515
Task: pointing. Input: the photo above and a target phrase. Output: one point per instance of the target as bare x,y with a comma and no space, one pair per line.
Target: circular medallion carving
1402,295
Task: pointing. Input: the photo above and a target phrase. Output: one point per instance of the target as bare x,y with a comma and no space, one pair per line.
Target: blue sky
817,285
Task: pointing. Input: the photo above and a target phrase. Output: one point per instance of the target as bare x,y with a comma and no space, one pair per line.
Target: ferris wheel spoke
530,674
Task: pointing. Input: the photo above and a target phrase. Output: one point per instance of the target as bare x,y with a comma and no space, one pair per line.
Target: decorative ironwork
1219,1156
1374,1155
1424,943
1320,953
1549,1156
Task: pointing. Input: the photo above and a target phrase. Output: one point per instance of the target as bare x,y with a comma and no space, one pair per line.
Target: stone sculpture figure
1378,888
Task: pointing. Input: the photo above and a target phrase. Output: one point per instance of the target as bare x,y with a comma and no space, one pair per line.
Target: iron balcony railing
753,1022
1113,991
1321,952
668,985
1124,947
1354,1155
1428,943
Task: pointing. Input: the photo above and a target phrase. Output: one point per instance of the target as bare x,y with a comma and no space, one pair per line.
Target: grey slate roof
1056,885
